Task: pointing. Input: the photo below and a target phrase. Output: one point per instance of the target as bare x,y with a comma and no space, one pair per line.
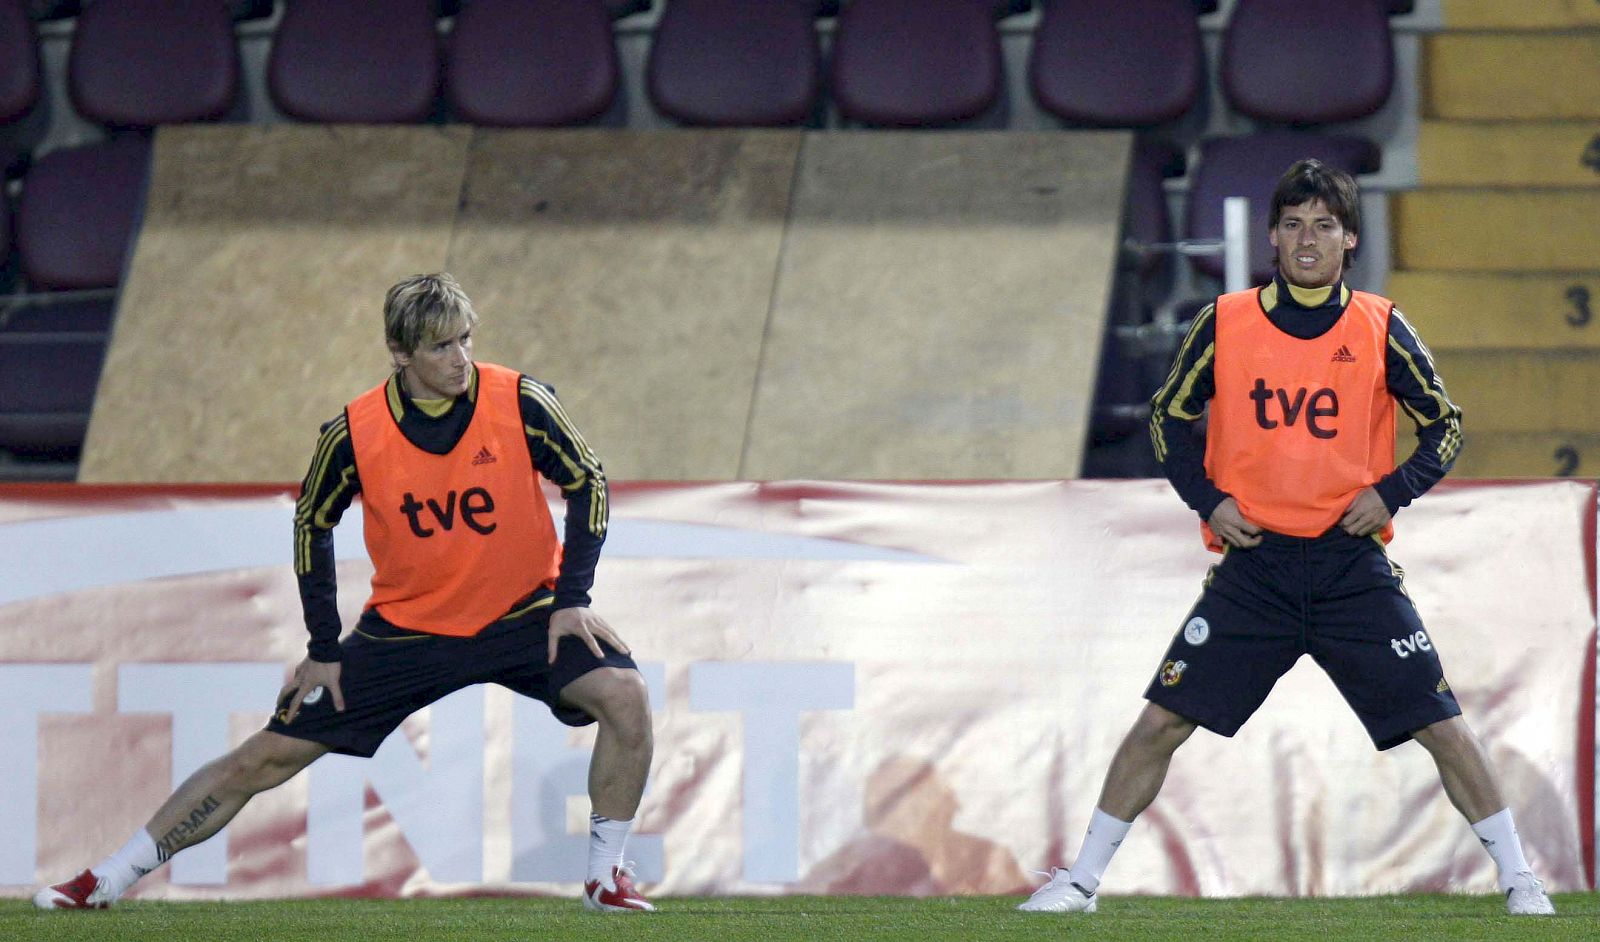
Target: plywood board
633,271
939,306
253,307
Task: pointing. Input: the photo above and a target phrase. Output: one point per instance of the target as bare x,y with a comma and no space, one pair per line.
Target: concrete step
1552,230
1511,75
1489,311
1509,153
1523,390
1520,14
1520,454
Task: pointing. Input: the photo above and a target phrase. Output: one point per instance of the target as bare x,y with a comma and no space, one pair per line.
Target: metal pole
1236,243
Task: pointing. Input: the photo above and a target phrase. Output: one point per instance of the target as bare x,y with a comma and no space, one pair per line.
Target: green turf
1125,919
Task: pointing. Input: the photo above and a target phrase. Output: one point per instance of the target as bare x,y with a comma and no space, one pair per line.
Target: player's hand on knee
1365,515
311,675
582,623
1232,528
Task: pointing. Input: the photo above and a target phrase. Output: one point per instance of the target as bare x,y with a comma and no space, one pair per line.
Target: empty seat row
136,64
712,62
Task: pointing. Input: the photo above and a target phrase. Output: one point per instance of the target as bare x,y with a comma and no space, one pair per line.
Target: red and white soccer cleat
622,898
84,891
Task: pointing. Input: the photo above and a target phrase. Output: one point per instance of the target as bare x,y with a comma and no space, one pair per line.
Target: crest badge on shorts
1172,672
1197,631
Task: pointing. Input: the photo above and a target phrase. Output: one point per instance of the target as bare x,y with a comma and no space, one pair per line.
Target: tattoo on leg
178,838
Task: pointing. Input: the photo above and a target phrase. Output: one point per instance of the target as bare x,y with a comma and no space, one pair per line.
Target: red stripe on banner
1586,702
83,493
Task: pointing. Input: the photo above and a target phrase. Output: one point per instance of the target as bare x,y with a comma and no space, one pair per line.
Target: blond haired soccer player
1296,484
470,586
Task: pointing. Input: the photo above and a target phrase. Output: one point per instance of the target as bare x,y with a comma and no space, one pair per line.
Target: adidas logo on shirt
484,456
1343,355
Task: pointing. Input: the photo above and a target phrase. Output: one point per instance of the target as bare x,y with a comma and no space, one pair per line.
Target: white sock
1102,840
124,868
1498,833
607,838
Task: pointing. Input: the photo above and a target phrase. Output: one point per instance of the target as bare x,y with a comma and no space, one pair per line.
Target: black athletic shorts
1335,597
389,673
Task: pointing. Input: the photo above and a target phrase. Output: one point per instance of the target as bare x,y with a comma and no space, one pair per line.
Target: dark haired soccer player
470,586
1296,484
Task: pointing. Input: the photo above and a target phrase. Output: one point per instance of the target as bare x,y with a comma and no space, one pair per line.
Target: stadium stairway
1497,254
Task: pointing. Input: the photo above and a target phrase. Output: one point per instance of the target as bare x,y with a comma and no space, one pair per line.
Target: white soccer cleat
620,897
1060,895
84,891
1527,897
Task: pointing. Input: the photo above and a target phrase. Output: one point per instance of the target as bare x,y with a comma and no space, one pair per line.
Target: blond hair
424,308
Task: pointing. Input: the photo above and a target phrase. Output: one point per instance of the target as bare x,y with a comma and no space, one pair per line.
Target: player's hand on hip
309,675
582,623
1232,528
1365,515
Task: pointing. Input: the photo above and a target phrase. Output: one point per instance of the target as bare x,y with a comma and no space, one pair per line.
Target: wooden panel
633,271
1511,75
253,307
1528,455
1523,391
931,306
939,306
1501,14
1509,153
1482,230
1485,311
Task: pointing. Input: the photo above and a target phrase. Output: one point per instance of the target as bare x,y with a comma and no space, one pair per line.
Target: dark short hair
1311,179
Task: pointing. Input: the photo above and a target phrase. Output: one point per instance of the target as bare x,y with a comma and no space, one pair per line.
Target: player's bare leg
1471,786
208,799
1140,766
618,768
198,809
1137,772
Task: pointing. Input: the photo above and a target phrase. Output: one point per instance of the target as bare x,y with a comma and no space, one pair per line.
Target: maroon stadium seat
916,63
77,213
1299,63
531,63
734,62
141,63
355,61
19,84
1117,63
19,62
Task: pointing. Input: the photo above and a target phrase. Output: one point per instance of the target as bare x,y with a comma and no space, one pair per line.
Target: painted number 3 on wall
1578,298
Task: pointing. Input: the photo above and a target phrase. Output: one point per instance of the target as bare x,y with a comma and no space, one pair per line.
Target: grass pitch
808,918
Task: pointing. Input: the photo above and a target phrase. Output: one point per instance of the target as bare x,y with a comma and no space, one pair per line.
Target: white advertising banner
858,688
